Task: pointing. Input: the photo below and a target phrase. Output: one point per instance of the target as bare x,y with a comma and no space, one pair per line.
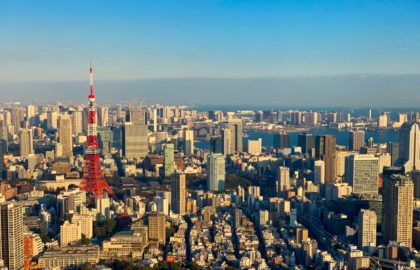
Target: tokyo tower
93,178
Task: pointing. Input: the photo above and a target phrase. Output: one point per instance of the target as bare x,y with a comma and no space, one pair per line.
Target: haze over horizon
299,53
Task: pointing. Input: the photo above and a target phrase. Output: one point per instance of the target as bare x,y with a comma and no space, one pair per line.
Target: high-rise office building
281,140
325,150
283,179
105,139
362,173
366,231
178,194
103,116
26,142
157,227
30,115
319,172
254,147
226,141
11,223
65,135
138,116
356,139
306,142
135,140
169,160
415,177
393,149
236,134
18,115
409,148
216,172
77,121
397,208
52,117
188,136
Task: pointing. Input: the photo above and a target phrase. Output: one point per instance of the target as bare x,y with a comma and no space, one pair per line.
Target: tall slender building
319,172
216,172
188,136
77,122
26,142
283,179
65,135
226,141
11,224
397,208
409,149
103,116
325,150
306,142
93,178
366,231
178,194
236,134
169,161
356,139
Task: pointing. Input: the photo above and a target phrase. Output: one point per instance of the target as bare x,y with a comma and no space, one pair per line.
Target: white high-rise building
52,117
77,121
188,136
86,224
409,152
103,117
319,172
216,172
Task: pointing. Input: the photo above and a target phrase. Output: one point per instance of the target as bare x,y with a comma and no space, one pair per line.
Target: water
342,137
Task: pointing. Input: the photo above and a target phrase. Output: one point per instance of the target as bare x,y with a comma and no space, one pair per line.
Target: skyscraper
281,140
52,117
178,194
306,142
26,142
11,224
362,173
77,122
216,172
188,136
398,209
18,115
103,116
65,135
409,149
356,139
283,179
393,148
135,140
226,141
236,134
169,162
319,172
366,231
325,150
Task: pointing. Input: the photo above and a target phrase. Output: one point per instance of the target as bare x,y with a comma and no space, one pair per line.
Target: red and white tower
93,178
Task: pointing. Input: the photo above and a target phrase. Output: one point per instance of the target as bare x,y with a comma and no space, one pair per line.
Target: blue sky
55,40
